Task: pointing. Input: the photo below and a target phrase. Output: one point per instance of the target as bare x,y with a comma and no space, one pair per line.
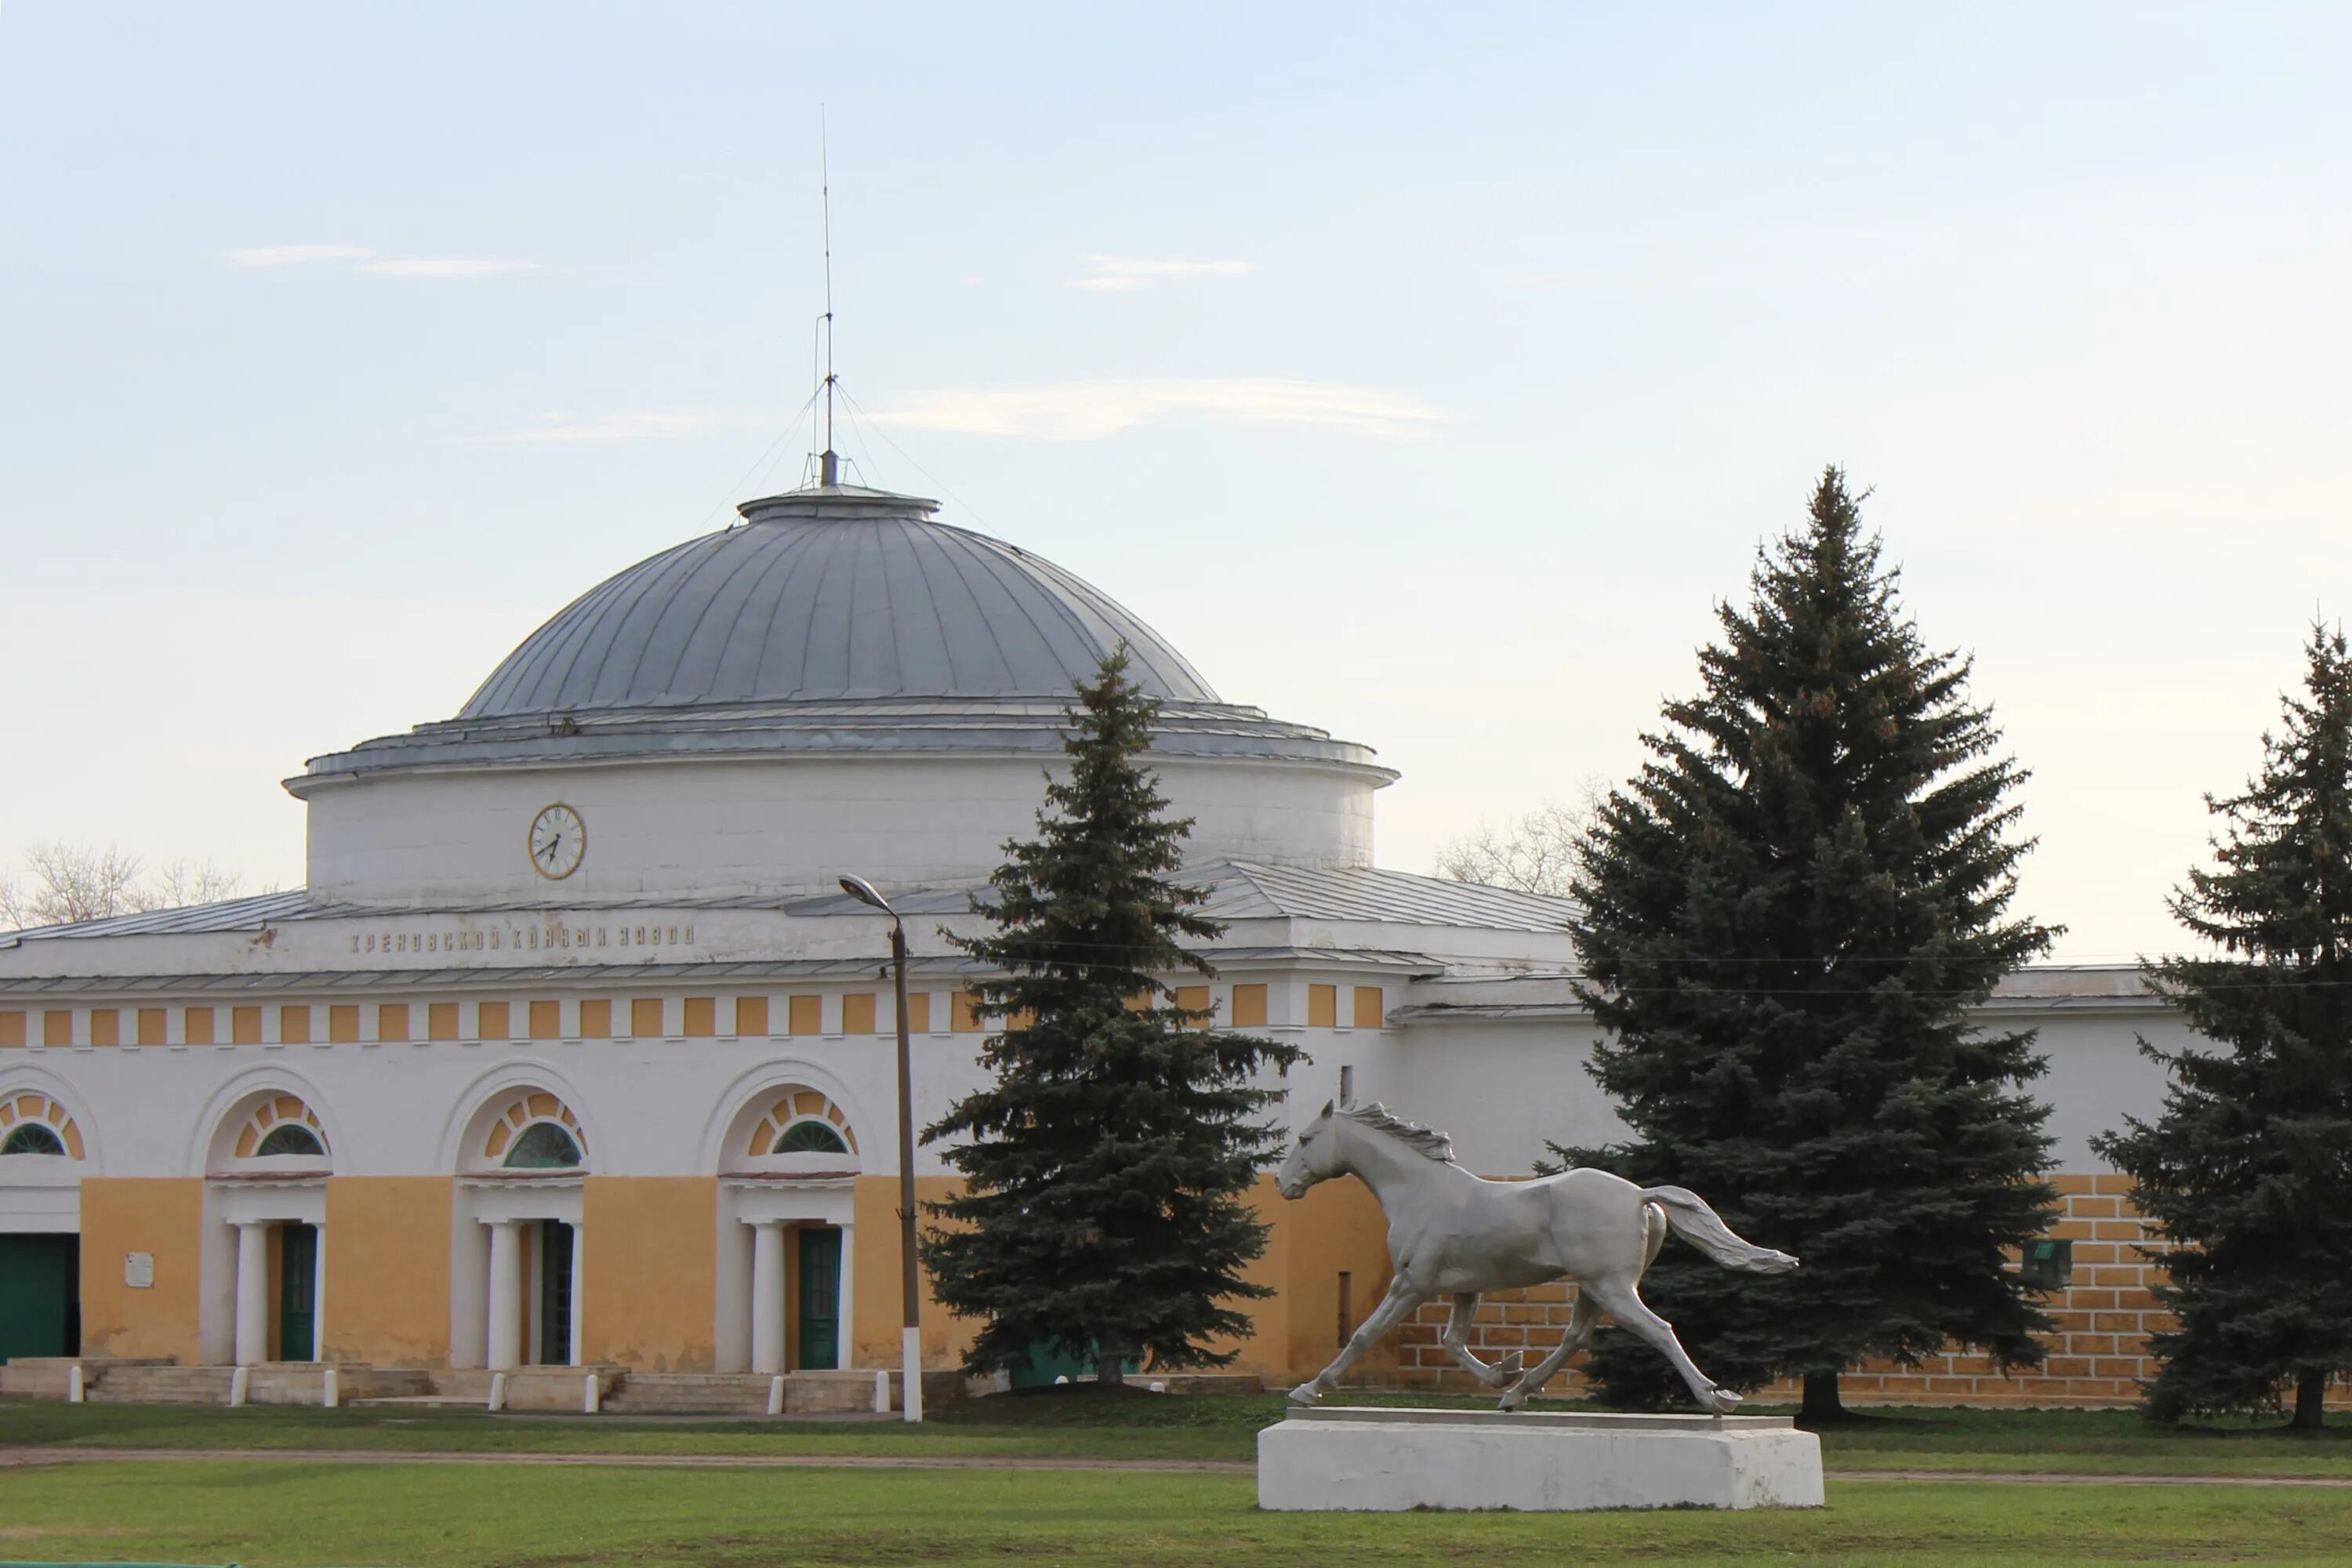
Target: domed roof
826,593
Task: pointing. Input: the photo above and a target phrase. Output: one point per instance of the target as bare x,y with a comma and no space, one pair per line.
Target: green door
297,1292
819,1297
554,1293
41,1296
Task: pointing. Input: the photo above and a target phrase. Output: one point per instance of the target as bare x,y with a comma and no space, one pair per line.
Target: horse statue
1454,1234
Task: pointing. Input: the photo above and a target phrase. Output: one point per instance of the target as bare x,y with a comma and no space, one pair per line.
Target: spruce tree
1786,918
1108,1159
2247,1172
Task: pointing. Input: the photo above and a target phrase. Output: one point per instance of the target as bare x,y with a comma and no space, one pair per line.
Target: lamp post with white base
910,1345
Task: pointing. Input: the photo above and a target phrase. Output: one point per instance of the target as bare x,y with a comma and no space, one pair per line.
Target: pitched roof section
1238,891
1253,890
829,594
249,913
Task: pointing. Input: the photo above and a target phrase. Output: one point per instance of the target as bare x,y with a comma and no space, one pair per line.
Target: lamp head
864,891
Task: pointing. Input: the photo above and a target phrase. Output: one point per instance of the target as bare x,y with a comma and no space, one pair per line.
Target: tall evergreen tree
1786,917
2247,1172
1108,1159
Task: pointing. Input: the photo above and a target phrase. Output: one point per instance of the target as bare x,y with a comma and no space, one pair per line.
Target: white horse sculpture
1451,1233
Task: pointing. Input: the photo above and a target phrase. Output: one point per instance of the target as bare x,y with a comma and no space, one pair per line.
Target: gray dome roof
827,594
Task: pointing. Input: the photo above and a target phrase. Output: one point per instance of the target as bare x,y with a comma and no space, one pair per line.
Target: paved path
2077,1478
11,1459
15,1458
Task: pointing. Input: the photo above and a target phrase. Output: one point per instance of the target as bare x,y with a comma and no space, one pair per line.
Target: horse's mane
1425,1142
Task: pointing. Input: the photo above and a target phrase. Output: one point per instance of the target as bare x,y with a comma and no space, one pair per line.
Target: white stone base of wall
1390,1460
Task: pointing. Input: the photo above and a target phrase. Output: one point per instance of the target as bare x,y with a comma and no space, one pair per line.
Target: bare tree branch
1533,854
65,883
180,883
70,882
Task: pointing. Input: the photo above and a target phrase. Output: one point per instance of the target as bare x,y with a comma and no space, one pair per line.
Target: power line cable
767,457
928,477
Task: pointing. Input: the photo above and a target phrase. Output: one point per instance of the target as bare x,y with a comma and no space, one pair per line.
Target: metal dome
826,594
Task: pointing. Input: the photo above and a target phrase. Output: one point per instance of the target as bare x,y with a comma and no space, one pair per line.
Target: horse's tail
1700,1225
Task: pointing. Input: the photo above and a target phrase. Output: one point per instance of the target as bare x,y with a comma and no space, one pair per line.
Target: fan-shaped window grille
811,1138
281,1124
34,1124
288,1138
32,1139
798,1113
544,1146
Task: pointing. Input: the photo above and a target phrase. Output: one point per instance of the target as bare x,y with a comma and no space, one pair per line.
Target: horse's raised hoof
1505,1370
1724,1401
1306,1394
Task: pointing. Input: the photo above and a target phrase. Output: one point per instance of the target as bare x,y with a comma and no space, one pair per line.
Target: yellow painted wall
878,1305
160,1214
1337,1225
388,1263
649,1257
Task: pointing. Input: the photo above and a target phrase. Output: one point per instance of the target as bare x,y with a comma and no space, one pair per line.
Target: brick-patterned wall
2098,1352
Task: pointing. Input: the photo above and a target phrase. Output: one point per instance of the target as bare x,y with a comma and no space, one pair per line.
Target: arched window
544,1146
32,1138
33,1123
797,1119
289,1138
811,1138
280,1125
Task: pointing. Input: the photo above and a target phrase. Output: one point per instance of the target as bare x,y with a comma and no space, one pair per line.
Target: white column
318,1296
768,1296
506,1296
579,1287
252,1293
847,1356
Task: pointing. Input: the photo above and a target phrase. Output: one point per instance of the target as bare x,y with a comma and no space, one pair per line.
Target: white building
571,1053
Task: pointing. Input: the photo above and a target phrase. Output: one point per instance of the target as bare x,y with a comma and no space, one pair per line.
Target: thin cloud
1125,274
445,267
644,426
360,259
1090,410
295,255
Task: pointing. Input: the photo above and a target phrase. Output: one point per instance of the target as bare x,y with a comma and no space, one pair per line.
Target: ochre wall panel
877,1304
387,1264
1337,1225
649,1248
159,1215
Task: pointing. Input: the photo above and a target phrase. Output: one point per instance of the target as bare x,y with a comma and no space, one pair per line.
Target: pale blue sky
1507,333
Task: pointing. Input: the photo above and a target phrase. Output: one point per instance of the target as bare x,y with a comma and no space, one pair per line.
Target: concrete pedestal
1354,1458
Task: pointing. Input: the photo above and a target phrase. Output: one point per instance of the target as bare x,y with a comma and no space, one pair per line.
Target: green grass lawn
1145,1426
279,1514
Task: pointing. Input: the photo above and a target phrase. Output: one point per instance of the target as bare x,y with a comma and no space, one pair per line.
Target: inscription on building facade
537,937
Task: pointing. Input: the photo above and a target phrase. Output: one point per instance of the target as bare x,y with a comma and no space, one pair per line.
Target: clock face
558,840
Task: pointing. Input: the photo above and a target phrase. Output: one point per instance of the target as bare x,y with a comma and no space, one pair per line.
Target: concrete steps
305,1383
164,1385
548,1389
542,1388
694,1393
51,1377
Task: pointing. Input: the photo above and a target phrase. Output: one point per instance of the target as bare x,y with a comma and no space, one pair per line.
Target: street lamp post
911,1336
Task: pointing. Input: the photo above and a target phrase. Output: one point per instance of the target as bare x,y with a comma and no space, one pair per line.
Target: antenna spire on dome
828,461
